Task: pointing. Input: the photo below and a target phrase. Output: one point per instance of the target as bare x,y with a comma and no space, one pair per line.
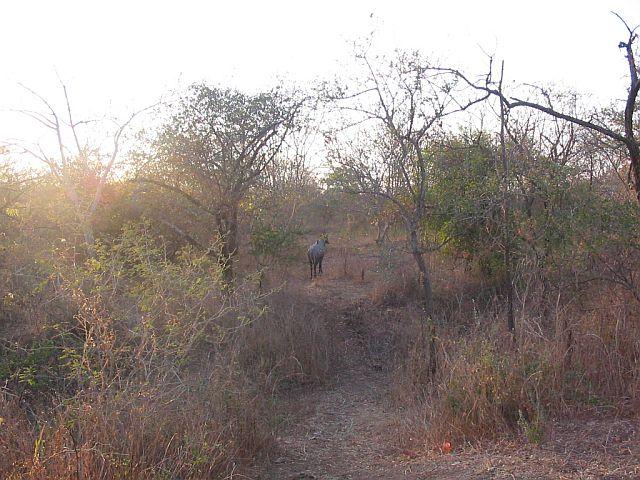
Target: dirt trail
346,429
341,428
340,436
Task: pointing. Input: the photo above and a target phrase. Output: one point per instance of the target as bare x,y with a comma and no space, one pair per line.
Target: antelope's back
315,252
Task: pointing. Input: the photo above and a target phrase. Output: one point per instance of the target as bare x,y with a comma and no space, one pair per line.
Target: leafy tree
215,146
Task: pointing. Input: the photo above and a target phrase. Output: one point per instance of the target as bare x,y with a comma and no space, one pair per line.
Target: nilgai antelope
315,254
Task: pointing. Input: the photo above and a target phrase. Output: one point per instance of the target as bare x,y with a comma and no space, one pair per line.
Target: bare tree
73,151
623,134
393,114
507,237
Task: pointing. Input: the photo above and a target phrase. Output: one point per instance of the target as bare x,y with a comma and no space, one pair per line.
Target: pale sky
117,56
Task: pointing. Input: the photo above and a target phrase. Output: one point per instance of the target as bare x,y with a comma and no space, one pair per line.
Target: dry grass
147,370
290,345
202,422
163,379
487,384
179,430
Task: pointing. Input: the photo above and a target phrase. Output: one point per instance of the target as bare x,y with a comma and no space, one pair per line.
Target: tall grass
150,369
585,357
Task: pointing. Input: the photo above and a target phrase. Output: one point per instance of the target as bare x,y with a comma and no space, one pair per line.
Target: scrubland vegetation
157,320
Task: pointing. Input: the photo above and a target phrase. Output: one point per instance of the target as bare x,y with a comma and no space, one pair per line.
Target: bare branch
194,201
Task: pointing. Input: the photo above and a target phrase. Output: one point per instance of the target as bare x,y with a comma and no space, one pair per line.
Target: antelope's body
315,254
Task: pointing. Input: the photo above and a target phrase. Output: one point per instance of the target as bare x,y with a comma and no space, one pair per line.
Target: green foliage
274,243
27,369
556,220
222,137
466,193
534,431
179,302
45,365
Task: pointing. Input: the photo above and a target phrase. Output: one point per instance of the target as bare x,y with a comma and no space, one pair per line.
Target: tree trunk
511,324
634,157
427,299
85,219
383,228
89,238
564,336
632,144
425,280
227,226
506,211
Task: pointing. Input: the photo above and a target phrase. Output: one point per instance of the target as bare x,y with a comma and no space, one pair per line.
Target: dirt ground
348,429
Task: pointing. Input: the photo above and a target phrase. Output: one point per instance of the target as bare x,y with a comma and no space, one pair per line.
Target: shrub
139,380
488,385
485,390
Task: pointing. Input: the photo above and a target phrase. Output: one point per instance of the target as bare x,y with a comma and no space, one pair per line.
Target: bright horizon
117,57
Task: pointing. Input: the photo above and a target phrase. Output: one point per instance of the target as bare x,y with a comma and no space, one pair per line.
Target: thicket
150,319
134,358
574,250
